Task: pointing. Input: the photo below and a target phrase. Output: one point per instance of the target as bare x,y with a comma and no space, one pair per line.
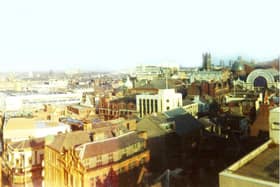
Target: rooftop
26,93
261,164
30,123
92,149
68,140
175,112
38,142
264,166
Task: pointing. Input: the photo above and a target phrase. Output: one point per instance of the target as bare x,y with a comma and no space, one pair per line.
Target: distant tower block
222,63
206,64
230,63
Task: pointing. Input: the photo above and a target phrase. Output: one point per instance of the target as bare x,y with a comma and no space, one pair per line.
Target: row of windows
144,106
101,160
93,180
26,102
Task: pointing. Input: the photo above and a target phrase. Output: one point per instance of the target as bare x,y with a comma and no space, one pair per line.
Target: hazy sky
103,34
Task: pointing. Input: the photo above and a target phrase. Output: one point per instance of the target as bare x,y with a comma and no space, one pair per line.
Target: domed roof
238,66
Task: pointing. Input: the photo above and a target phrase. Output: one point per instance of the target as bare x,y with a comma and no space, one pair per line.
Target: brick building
114,108
213,89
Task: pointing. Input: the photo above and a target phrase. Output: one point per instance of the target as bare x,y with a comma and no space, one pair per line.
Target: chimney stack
91,136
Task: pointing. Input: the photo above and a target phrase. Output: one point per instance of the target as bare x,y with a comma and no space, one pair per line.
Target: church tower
206,61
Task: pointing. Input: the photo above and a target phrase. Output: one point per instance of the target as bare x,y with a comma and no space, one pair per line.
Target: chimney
91,136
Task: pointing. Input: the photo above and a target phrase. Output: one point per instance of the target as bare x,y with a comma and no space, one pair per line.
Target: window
35,157
65,177
167,100
167,108
140,106
92,182
30,160
111,158
72,180
156,106
17,163
99,161
124,153
144,107
275,126
41,158
128,126
135,146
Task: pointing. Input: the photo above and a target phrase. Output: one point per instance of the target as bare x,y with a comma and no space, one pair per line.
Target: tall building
165,100
206,61
74,159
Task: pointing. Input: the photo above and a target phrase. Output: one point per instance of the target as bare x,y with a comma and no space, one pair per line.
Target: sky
117,34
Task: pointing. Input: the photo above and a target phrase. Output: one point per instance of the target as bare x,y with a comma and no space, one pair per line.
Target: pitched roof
187,101
69,140
125,99
150,124
186,124
175,112
31,143
160,83
109,145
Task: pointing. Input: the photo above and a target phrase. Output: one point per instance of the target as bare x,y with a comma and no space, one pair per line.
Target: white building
14,101
274,121
203,106
48,86
191,108
165,100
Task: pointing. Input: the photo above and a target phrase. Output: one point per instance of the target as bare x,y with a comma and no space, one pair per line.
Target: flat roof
26,93
30,123
264,166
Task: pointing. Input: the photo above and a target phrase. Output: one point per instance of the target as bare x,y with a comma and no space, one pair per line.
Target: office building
165,100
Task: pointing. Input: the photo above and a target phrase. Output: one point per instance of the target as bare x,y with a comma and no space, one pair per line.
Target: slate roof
31,143
69,140
75,138
159,83
126,99
187,102
186,124
93,149
151,125
175,112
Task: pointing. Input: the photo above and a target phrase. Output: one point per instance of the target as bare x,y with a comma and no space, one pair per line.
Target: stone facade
90,163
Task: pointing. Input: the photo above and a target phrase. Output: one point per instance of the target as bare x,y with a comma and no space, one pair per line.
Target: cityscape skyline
97,36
